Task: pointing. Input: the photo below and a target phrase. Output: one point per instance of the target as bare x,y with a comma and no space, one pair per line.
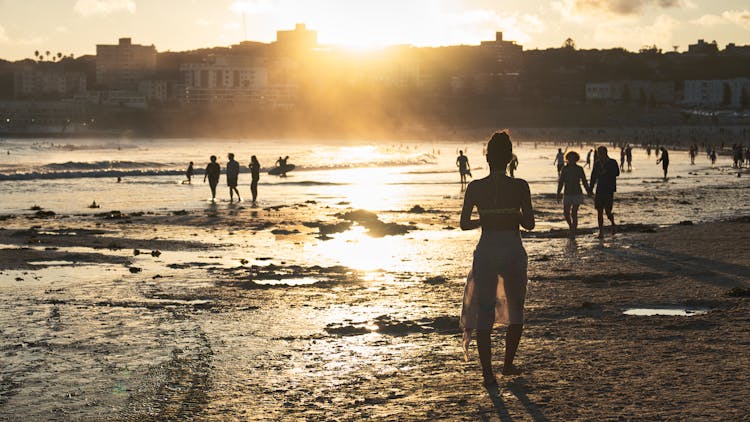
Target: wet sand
238,313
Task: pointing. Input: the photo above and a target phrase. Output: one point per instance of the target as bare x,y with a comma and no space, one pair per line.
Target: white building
154,90
599,91
35,83
233,80
734,93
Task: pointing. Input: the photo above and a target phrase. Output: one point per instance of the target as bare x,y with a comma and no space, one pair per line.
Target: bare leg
566,213
600,220
611,218
512,338
484,347
574,219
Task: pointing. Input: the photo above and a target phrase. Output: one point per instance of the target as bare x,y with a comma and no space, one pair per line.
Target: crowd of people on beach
602,181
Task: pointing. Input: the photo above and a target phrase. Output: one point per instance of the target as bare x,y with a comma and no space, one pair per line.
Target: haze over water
68,175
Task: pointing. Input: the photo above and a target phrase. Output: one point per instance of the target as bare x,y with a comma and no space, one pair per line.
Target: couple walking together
603,178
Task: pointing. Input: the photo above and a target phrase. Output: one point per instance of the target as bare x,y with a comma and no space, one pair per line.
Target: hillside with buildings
297,87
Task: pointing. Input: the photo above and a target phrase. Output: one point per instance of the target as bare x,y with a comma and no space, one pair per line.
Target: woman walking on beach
255,173
213,170
571,177
496,286
664,160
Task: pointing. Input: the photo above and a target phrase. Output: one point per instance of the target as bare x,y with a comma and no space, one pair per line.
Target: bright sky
76,26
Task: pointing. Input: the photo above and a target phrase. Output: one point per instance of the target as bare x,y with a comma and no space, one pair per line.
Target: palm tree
36,54
47,53
59,55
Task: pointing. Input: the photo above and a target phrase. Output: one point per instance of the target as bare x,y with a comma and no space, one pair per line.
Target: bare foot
489,382
511,370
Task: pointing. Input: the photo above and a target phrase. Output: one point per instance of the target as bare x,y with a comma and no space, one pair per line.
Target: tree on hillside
569,43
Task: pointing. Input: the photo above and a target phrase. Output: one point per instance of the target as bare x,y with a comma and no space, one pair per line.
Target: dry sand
197,330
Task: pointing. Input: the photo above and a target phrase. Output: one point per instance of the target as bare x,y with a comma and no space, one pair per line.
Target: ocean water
66,176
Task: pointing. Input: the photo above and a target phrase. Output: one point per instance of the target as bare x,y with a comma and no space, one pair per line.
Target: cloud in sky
3,36
251,6
660,33
88,8
572,9
515,26
740,18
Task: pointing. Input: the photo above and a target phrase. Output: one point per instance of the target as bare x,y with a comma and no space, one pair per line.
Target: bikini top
499,215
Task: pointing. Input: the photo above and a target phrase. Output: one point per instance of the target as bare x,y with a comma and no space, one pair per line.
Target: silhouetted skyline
75,27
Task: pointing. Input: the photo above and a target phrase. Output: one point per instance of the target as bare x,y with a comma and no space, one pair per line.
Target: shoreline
638,135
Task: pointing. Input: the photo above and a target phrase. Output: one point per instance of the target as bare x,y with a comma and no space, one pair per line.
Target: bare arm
527,211
469,202
585,182
594,176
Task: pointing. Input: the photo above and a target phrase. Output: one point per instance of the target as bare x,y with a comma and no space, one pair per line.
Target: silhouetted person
588,158
513,165
692,152
604,179
622,159
648,150
571,177
233,173
664,160
255,174
189,172
281,163
496,286
559,161
463,166
713,156
629,157
213,170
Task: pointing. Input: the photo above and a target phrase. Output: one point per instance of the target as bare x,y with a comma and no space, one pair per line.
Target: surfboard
276,171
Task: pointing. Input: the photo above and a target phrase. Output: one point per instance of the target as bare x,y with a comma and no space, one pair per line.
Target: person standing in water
463,166
233,172
255,173
189,172
664,160
588,158
559,161
495,289
213,170
571,178
604,179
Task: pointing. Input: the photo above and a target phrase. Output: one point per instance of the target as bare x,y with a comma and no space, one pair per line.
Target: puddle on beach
303,281
665,312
